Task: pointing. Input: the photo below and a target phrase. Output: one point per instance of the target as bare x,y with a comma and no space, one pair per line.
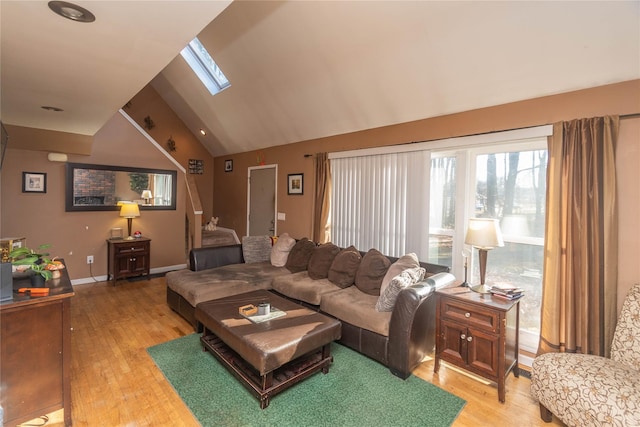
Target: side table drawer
131,248
470,315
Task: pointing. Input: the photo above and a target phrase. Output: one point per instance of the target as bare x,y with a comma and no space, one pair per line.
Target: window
379,200
500,175
205,67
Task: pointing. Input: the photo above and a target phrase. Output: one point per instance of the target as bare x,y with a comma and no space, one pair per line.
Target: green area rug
356,392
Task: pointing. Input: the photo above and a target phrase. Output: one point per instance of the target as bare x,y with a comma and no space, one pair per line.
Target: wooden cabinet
128,258
35,352
478,333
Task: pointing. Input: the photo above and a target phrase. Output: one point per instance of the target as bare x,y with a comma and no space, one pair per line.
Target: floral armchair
587,390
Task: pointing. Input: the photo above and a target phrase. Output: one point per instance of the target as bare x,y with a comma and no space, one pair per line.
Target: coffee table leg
326,353
267,382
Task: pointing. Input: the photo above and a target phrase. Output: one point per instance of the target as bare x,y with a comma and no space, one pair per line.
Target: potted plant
35,261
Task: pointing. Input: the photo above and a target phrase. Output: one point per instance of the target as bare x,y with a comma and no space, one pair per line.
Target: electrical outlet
89,259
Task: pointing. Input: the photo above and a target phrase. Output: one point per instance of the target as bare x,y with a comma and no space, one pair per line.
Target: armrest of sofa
215,256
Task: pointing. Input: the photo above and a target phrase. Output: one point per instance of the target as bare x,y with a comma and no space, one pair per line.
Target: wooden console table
35,352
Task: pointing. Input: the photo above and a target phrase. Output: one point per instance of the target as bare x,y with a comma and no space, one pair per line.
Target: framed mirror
101,187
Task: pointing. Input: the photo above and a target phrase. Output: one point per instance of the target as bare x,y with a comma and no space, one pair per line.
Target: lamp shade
129,210
484,233
146,194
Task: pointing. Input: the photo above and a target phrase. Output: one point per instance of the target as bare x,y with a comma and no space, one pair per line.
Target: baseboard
103,278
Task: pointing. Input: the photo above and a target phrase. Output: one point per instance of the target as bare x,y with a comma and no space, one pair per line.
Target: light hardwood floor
114,382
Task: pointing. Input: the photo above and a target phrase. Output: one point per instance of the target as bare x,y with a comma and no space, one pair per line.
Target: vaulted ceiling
304,70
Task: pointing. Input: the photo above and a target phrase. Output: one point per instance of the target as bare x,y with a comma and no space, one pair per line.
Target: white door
261,203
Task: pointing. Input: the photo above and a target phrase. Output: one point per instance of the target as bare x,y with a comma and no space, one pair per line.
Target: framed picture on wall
228,165
34,182
295,183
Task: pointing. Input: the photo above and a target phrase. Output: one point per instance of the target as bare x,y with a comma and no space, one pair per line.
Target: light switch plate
281,216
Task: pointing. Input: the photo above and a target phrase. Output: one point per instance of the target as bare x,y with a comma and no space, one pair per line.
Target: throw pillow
299,255
408,277
281,249
321,260
256,248
344,267
372,269
409,260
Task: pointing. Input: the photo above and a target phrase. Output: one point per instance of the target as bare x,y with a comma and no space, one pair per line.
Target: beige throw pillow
407,278
409,260
280,251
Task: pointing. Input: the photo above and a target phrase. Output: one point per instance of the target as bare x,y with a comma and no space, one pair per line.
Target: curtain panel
322,200
382,201
578,312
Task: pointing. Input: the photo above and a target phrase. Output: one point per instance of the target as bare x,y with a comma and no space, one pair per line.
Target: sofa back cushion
372,269
321,260
256,248
299,256
344,267
281,249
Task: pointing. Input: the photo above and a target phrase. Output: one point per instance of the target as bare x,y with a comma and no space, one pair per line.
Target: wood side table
478,333
128,258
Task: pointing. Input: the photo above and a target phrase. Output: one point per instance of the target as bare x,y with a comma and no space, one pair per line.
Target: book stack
506,292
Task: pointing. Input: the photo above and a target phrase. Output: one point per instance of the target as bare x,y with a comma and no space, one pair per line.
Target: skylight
204,66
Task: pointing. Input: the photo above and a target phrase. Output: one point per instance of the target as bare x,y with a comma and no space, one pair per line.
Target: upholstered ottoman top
271,344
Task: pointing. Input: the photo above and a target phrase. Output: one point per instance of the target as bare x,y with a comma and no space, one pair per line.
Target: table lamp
146,195
484,234
129,211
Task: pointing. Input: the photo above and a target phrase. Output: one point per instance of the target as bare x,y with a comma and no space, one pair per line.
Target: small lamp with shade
484,234
129,211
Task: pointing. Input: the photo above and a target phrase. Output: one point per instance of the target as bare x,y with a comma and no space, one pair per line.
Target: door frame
275,195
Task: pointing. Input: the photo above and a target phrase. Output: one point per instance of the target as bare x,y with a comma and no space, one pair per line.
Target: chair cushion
353,306
582,389
301,287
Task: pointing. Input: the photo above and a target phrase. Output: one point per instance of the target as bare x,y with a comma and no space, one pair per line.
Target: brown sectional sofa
399,339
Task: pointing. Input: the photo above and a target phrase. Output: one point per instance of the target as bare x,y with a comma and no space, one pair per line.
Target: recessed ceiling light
71,11
49,108
203,132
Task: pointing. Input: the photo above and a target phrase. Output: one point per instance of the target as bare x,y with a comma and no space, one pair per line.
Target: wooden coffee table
272,356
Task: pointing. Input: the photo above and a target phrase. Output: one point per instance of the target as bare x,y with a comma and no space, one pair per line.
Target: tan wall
167,124
41,218
623,98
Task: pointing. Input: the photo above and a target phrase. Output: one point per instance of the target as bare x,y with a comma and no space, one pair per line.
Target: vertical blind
381,201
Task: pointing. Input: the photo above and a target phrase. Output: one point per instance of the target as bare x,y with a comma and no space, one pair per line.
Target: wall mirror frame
92,187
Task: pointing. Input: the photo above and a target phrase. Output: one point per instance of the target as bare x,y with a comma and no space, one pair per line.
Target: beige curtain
581,244
322,200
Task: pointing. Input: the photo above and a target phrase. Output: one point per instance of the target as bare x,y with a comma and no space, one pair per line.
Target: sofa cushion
353,306
256,248
299,255
372,269
407,261
344,267
321,260
408,277
214,283
301,287
281,249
